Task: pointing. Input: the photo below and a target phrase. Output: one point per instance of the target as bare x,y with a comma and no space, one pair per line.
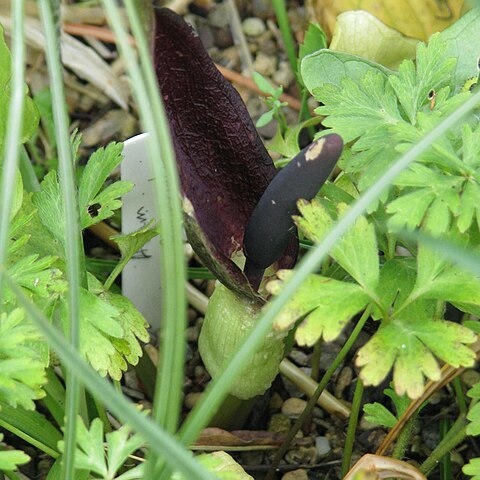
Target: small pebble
322,445
435,398
269,130
255,107
253,457
265,64
376,438
279,423
299,474
262,8
200,373
192,334
191,399
430,435
299,357
266,43
192,315
230,58
205,33
293,407
219,17
344,380
222,37
253,27
276,401
283,75
305,455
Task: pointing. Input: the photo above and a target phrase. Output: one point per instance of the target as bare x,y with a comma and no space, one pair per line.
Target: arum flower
237,210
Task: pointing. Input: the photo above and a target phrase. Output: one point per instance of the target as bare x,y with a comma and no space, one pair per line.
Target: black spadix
271,228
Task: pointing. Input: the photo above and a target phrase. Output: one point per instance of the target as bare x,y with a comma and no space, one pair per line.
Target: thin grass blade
14,128
73,244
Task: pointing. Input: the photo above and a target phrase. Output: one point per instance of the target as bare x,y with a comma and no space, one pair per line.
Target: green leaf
31,426
358,32
472,468
99,324
30,114
129,244
22,373
50,207
473,416
436,279
328,67
357,252
10,459
221,464
380,415
90,196
38,276
28,224
265,86
409,345
119,332
401,402
43,101
359,107
327,303
315,39
90,454
397,278
134,328
463,43
265,119
287,145
430,72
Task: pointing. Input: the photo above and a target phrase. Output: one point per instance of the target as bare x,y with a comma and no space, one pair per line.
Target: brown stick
104,231
108,36
448,373
247,82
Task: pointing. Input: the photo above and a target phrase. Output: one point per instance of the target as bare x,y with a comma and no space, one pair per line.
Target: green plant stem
442,449
404,438
460,395
161,442
234,413
454,437
11,475
74,254
352,427
317,352
446,463
321,386
219,387
287,36
30,180
13,131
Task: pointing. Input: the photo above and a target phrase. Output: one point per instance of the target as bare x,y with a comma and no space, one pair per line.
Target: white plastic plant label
141,277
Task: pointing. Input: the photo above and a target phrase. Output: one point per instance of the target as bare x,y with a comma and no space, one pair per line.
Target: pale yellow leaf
414,18
360,33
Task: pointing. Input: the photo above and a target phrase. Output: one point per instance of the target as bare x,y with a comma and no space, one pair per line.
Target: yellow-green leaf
360,33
